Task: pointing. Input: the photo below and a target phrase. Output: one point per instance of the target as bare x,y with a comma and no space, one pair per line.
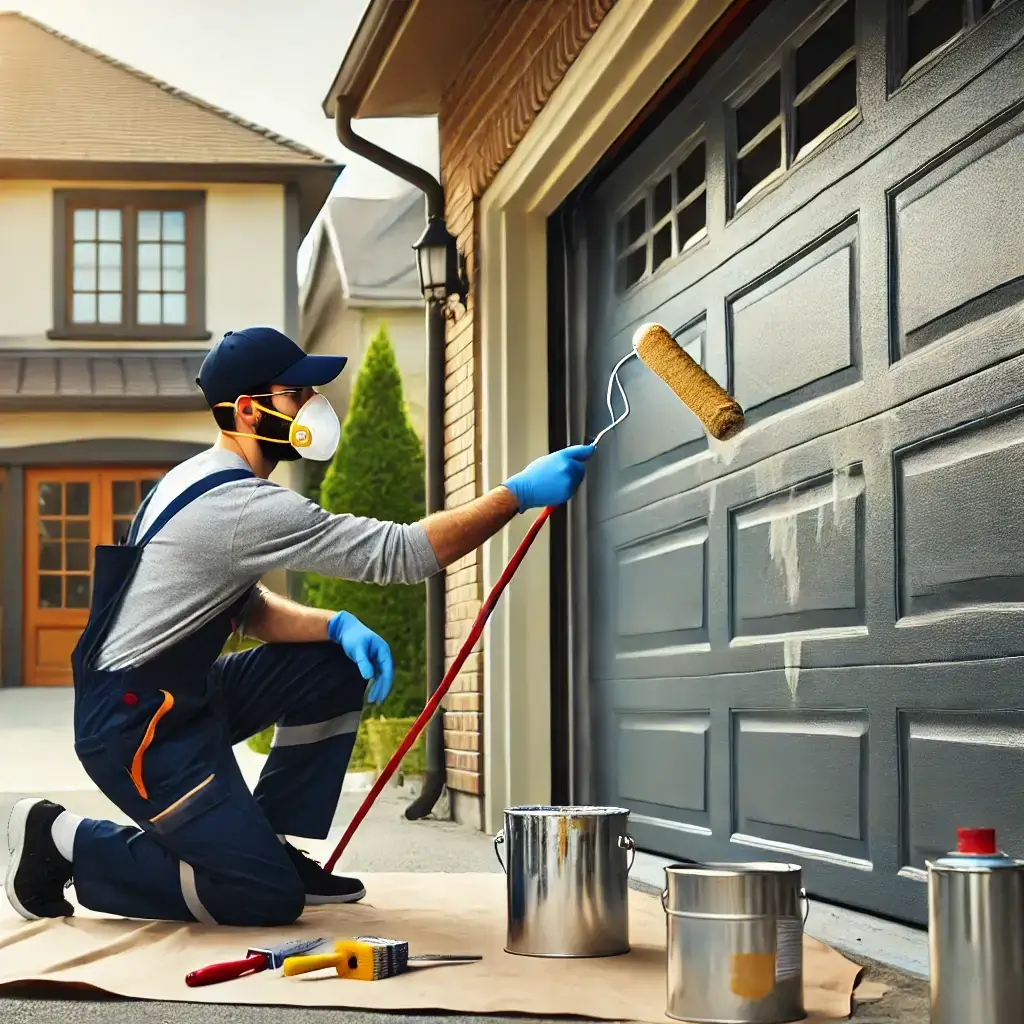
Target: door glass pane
49,591
121,529
50,499
50,556
76,591
49,529
125,499
76,529
77,495
76,554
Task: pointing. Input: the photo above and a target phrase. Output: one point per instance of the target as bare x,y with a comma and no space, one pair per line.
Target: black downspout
433,784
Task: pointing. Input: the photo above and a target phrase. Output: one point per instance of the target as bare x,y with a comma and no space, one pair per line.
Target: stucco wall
350,334
245,253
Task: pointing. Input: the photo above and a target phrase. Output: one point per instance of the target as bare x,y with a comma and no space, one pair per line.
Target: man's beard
275,451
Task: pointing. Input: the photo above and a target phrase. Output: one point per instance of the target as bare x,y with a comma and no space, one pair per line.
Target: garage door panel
797,558
662,585
801,778
959,224
796,326
987,748
961,529
654,601
678,743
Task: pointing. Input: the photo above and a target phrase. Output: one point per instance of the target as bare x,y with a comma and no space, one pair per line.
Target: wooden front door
67,513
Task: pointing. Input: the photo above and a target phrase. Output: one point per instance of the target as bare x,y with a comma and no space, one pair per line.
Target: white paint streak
724,451
791,658
784,548
783,524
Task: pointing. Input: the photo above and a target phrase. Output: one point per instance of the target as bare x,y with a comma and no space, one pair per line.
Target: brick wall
521,57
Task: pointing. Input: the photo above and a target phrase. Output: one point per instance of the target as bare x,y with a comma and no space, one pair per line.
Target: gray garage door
808,645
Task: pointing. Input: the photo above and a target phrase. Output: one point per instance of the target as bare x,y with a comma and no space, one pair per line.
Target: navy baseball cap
244,360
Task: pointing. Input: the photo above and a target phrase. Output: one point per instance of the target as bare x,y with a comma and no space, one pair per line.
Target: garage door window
819,73
668,220
930,26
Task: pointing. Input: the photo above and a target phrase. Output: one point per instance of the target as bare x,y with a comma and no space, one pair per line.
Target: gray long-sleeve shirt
221,544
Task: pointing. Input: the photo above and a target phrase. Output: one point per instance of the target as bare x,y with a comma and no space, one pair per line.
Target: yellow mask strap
298,437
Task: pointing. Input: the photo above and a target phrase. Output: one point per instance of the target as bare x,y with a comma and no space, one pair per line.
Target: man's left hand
370,653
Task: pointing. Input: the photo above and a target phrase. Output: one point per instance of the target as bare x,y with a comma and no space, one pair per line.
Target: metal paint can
567,880
735,943
976,933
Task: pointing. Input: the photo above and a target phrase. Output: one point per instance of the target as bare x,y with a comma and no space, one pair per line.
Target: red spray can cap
976,841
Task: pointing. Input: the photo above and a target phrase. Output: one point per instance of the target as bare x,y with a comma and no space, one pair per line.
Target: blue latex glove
370,653
552,479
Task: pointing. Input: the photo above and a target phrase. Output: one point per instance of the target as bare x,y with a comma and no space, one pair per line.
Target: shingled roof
64,101
371,242
98,379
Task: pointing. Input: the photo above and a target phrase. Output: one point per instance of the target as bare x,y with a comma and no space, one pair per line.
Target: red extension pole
431,706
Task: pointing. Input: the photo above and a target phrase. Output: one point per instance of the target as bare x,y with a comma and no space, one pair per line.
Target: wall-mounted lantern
442,268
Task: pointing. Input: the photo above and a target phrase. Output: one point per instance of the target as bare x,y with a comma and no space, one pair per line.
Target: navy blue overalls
156,738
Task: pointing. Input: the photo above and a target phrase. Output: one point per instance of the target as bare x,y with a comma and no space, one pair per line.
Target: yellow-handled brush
369,958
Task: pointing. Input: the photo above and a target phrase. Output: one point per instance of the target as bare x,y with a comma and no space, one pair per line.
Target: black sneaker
37,874
321,886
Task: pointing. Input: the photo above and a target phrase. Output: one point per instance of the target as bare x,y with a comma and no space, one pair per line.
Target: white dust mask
315,431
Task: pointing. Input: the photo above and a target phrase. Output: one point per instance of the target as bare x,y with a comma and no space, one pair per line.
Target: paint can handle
626,843
500,838
807,906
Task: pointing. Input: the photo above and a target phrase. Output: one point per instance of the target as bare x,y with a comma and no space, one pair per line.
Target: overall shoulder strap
140,512
187,496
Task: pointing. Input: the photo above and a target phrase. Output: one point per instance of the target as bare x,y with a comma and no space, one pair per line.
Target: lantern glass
432,260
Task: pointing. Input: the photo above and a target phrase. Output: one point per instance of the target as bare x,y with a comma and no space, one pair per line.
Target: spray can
976,933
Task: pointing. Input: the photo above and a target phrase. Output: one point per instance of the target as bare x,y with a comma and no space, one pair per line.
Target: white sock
63,830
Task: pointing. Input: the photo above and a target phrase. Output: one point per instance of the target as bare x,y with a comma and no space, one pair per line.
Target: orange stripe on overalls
147,741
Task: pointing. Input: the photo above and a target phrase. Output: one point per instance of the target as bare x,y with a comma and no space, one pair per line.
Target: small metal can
976,933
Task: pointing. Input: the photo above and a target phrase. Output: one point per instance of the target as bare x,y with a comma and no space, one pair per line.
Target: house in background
137,224
362,275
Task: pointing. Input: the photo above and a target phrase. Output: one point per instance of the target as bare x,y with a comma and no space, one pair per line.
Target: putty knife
256,960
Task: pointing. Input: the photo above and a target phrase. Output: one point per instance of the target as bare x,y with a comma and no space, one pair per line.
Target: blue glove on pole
552,479
370,653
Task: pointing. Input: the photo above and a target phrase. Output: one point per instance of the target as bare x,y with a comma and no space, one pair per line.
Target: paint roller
722,418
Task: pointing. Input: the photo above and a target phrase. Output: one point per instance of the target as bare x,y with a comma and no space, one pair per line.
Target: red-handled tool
256,960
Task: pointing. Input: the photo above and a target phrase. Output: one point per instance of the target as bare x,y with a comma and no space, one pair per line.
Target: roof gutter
344,113
375,33
345,109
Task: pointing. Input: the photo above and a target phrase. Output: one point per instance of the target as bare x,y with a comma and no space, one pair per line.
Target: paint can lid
976,841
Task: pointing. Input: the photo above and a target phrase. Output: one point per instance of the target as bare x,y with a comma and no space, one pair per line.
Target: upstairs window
130,266
927,27
667,220
807,97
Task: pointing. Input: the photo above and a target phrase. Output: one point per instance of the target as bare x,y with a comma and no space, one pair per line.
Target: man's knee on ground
266,903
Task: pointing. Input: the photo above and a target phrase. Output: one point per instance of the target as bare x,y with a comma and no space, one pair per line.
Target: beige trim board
636,48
